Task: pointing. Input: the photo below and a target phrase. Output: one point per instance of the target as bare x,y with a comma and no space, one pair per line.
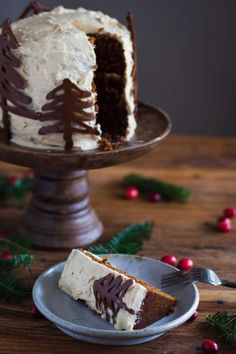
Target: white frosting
93,21
77,280
54,46
50,51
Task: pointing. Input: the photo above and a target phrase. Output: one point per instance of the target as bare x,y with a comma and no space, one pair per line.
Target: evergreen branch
128,241
16,246
20,250
226,323
17,190
21,259
11,286
19,241
20,189
168,191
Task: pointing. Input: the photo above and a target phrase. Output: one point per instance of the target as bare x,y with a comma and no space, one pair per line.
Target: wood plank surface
208,167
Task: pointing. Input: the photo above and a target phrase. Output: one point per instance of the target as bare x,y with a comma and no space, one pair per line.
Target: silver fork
196,274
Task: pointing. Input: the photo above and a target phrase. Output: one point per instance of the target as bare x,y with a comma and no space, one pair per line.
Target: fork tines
178,278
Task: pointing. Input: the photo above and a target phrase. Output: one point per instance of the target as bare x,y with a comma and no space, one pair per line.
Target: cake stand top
153,125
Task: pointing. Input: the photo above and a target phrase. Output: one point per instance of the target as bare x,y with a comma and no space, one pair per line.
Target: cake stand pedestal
59,214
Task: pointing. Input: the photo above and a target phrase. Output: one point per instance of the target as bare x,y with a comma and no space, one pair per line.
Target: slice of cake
127,302
74,80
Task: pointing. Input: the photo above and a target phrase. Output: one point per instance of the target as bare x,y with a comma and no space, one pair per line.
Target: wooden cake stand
59,214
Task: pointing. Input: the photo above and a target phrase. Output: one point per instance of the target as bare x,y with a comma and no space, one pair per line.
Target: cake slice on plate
127,302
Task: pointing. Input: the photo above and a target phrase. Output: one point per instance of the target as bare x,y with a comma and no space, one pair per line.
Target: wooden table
208,167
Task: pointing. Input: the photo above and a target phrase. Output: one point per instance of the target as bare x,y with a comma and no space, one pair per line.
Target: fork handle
228,283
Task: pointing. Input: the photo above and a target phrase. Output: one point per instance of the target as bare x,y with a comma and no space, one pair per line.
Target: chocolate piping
109,292
131,28
11,83
67,109
34,6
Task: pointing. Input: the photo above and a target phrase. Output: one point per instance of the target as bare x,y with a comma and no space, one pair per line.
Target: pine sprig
15,245
24,260
12,286
128,241
168,191
17,189
20,242
226,323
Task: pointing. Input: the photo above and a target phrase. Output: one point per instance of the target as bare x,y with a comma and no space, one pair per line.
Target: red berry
11,180
170,259
34,312
154,197
7,256
209,346
194,316
185,264
224,225
230,212
3,234
132,193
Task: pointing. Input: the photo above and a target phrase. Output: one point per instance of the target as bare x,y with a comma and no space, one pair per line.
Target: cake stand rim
76,160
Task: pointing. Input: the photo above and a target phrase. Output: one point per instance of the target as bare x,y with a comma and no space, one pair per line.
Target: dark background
187,57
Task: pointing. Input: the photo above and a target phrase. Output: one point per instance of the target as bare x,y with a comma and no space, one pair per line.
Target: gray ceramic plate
78,321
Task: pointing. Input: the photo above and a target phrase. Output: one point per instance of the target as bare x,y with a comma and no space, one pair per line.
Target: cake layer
128,303
112,115
117,123
110,54
110,88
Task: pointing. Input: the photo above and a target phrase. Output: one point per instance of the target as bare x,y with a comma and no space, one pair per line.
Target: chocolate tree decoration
131,28
36,7
109,291
67,110
11,83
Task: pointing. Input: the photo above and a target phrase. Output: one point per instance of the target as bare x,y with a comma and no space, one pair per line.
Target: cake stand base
59,215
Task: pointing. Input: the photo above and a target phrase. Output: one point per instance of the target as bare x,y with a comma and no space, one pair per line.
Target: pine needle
22,242
18,260
226,323
17,190
128,241
168,191
12,286
15,244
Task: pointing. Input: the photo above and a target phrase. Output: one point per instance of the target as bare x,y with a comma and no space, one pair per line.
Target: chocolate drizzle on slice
36,7
11,83
131,28
67,109
109,292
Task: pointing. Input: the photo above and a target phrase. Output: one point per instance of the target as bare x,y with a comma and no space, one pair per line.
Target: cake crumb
91,39
109,144
105,145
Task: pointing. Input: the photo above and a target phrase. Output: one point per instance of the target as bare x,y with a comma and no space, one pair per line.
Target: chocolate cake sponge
156,305
110,82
